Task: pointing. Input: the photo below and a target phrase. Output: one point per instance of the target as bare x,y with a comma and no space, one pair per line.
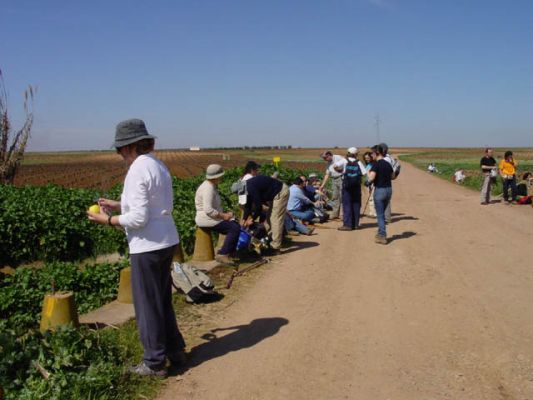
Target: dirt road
442,312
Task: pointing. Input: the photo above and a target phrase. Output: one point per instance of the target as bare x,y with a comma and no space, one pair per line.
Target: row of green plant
49,223
69,363
448,166
22,293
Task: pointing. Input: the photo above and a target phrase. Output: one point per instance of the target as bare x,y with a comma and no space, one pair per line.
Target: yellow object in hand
95,208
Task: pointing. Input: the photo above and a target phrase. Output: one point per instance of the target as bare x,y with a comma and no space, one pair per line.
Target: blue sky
304,73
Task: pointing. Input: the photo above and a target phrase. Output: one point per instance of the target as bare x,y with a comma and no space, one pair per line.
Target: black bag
352,175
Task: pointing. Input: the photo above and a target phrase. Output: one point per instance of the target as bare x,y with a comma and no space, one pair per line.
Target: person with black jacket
274,194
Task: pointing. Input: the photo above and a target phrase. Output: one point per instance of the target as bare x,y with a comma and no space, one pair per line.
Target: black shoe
178,359
344,228
274,252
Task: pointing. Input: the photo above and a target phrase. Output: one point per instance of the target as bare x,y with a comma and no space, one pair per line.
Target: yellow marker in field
276,160
58,309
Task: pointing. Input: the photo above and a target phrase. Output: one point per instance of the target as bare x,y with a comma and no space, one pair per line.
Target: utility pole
378,121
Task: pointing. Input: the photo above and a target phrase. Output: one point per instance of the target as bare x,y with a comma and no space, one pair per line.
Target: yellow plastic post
220,242
178,255
203,245
276,160
125,294
58,309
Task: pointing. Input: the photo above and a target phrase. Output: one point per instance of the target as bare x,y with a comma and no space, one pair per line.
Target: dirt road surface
444,311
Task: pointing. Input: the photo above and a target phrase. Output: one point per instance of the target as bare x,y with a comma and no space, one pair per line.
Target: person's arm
371,176
109,205
137,198
324,181
362,168
208,198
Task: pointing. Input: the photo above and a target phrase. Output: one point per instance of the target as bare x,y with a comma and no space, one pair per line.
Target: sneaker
344,228
310,232
144,370
484,203
224,259
388,220
178,359
381,239
293,233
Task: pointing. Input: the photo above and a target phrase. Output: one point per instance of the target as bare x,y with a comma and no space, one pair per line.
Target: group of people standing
507,170
347,173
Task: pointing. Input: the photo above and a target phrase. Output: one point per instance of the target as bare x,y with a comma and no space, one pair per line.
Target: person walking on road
351,190
209,214
146,215
489,172
334,171
265,190
507,169
381,176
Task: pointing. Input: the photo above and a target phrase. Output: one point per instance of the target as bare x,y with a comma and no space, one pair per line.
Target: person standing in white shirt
146,215
334,171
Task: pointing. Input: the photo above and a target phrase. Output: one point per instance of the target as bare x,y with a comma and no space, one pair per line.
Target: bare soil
441,312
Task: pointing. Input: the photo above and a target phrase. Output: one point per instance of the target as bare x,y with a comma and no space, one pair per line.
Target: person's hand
99,218
248,222
227,216
109,205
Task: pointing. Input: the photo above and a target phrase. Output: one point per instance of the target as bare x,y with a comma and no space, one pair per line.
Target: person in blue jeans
381,176
299,205
351,190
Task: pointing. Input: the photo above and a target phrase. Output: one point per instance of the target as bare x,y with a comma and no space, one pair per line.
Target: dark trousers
232,230
351,206
509,183
152,299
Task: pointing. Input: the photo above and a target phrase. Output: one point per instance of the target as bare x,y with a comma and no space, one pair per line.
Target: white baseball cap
352,150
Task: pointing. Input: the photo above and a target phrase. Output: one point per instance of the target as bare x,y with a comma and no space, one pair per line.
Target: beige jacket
208,205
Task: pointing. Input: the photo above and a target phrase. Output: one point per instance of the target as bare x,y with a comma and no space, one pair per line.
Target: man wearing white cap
353,170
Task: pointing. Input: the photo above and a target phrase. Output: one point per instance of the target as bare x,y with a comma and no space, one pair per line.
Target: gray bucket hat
214,171
131,131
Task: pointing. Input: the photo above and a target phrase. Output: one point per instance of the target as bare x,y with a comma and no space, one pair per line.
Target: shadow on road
242,337
404,235
295,246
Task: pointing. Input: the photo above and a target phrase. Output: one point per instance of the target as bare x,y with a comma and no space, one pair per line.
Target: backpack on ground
191,281
352,175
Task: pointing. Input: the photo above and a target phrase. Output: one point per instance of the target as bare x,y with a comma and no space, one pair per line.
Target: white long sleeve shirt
146,206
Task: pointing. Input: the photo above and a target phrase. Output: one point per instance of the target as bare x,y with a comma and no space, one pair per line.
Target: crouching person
209,214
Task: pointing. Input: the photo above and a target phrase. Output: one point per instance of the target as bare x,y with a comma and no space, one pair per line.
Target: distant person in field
507,169
209,214
369,161
145,209
525,188
334,171
459,176
273,194
351,190
380,175
489,173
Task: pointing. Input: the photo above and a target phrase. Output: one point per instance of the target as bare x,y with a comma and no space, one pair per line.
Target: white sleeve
137,199
362,168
